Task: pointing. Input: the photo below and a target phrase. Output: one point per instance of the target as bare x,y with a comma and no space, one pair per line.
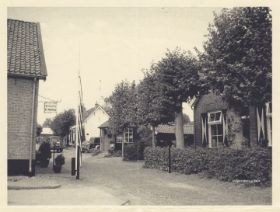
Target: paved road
111,181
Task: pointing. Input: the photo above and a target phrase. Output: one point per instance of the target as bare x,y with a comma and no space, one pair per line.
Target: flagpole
77,161
76,143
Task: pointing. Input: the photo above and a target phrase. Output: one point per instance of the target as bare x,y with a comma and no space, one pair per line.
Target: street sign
50,107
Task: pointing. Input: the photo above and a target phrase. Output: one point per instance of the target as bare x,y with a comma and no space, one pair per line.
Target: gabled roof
92,110
25,50
170,129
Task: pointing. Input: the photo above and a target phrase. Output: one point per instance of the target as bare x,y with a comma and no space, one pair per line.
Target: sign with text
50,107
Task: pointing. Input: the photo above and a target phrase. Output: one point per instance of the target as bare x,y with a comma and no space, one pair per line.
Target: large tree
122,108
150,104
177,74
63,121
236,59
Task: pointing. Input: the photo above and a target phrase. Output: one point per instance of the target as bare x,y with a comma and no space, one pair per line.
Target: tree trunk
153,137
179,133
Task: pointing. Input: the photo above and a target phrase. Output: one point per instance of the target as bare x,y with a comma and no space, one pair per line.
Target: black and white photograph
139,106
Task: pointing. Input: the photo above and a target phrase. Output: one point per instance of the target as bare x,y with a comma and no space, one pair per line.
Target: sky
108,45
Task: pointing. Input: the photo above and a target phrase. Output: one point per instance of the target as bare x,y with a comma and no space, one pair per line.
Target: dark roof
88,112
104,125
25,50
170,129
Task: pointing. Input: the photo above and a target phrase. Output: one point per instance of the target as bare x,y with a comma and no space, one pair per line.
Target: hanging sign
50,107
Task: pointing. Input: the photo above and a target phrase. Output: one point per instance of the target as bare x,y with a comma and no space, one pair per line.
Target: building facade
93,118
216,124
26,66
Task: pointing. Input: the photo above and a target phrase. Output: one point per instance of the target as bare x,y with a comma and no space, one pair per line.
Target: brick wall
20,93
206,103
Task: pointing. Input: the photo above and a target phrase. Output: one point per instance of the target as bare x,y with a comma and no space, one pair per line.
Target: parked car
88,145
56,143
85,146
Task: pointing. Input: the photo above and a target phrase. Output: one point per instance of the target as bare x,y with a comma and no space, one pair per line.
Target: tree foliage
177,75
63,121
150,102
123,107
47,122
237,55
178,81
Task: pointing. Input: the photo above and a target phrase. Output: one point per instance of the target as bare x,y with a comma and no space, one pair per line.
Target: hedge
252,165
134,151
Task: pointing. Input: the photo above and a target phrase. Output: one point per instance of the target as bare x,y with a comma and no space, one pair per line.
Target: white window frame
216,121
119,139
128,135
212,123
268,123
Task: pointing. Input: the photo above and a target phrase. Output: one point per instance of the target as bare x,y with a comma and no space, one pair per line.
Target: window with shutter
215,129
268,107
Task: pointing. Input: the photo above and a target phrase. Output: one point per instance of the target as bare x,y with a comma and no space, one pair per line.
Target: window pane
214,141
213,130
219,129
212,117
220,139
217,118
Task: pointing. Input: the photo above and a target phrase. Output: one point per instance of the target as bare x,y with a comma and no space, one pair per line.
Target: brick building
26,66
216,124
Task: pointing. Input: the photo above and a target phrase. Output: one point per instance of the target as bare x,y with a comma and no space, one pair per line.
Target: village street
111,181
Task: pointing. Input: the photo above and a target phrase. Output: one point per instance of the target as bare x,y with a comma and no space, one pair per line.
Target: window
128,135
268,107
215,117
216,138
215,129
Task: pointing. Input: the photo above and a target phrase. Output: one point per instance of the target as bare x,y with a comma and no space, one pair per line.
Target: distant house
92,119
107,137
166,134
26,66
217,125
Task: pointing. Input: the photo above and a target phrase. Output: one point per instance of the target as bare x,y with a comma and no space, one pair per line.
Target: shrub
59,161
249,165
134,151
44,154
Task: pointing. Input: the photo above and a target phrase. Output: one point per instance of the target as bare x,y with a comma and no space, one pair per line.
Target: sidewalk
37,182
59,189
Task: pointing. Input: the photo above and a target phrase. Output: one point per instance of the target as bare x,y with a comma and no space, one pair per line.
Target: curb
32,187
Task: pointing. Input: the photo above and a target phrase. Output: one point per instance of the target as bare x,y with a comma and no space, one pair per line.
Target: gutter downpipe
32,127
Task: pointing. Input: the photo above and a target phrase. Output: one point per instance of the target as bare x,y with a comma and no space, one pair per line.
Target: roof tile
25,50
